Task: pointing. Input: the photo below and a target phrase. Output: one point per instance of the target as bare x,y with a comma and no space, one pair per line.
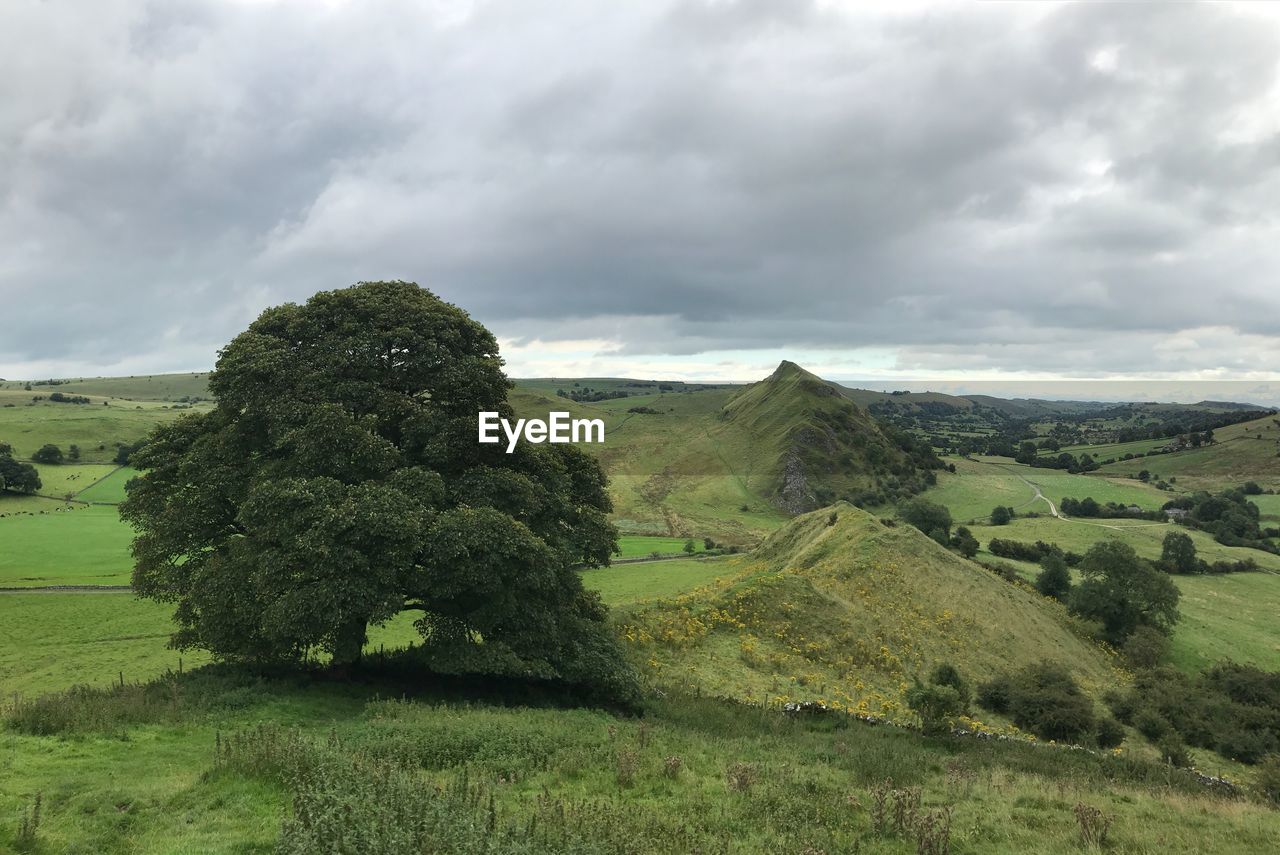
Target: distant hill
735,462
850,611
822,445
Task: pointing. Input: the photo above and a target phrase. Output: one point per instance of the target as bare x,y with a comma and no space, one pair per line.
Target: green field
642,546
97,429
977,486
65,545
69,480
1269,506
51,641
109,490
154,387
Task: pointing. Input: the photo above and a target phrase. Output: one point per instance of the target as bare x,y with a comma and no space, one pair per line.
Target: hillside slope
736,463
850,612
822,446
1249,451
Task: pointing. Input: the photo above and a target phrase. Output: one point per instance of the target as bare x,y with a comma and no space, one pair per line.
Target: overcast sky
688,189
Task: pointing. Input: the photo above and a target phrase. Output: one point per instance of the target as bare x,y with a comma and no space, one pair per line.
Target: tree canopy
338,482
1123,591
16,476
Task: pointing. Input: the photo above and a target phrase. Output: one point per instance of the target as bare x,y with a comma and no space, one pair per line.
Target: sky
928,192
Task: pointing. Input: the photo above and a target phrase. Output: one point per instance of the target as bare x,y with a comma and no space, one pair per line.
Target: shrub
936,705
1109,733
1174,752
946,675
1146,647
1000,515
1268,780
1151,724
996,693
1055,579
1047,702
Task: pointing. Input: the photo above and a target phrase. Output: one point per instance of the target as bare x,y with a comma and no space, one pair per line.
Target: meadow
978,485
65,545
201,773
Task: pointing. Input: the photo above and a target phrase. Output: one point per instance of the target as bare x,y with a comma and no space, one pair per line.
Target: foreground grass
340,770
49,641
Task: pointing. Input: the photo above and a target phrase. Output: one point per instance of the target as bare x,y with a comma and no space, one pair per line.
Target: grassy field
51,641
1269,506
642,546
627,584
977,486
95,428
689,775
1146,538
65,545
109,490
1229,616
1249,451
156,387
70,480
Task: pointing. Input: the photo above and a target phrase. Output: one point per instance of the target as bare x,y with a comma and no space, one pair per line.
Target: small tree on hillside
1178,554
48,454
964,542
1122,592
932,519
1000,515
1054,579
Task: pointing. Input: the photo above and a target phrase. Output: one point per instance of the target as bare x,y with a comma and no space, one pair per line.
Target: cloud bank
688,188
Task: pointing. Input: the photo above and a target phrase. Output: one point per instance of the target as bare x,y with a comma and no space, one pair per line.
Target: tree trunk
348,644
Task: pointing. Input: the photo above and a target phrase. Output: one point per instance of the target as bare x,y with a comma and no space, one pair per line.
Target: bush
936,706
1269,778
1046,701
946,675
1174,752
1109,733
1055,579
1151,724
1146,648
996,693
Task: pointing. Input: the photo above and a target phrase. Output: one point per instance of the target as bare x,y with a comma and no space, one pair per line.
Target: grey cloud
966,184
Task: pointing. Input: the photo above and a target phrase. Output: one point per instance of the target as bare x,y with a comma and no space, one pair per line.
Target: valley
763,560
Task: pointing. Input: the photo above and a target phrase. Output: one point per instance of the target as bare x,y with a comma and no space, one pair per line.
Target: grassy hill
734,462
850,612
1249,451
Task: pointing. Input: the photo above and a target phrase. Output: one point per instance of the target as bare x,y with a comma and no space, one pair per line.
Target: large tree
339,482
1123,591
16,476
